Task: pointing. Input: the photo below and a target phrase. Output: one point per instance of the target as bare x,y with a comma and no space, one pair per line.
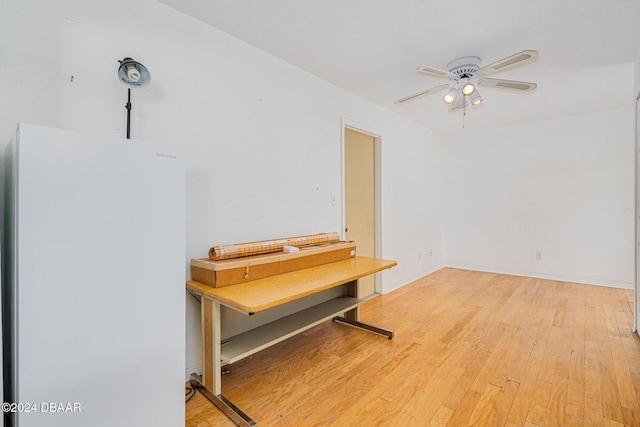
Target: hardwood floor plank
574,412
539,404
374,411
520,407
500,412
482,411
494,369
612,423
630,417
520,358
470,348
320,408
557,404
624,383
428,391
441,417
608,384
593,414
462,413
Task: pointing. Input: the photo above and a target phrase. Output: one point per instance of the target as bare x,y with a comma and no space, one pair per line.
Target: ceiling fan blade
436,72
419,94
520,58
510,85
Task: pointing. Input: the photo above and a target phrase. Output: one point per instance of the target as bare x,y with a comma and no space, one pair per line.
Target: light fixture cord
128,107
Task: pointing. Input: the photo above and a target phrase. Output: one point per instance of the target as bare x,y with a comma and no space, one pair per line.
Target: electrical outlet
539,256
430,252
333,199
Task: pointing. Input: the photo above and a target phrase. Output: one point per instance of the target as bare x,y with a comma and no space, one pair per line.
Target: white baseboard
191,370
410,279
557,277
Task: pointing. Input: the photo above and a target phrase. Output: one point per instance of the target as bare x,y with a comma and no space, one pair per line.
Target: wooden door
360,193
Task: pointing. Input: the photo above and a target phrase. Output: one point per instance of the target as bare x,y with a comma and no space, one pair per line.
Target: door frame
377,151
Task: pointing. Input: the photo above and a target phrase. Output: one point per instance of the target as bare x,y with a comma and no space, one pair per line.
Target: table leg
352,317
211,386
211,348
228,408
351,290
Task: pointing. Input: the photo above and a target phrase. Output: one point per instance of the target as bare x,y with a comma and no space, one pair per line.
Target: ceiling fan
465,74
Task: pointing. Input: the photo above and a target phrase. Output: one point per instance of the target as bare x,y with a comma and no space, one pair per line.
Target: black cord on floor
189,393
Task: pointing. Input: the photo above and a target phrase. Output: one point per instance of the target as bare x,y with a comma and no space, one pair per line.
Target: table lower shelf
243,345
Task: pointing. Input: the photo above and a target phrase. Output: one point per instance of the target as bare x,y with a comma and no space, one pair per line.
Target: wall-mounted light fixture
133,75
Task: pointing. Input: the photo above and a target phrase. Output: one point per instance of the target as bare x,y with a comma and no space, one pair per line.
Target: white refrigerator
93,281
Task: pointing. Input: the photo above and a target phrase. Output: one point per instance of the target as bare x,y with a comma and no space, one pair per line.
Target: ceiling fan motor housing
464,67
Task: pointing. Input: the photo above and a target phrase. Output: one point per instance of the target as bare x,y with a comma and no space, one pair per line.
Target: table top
261,294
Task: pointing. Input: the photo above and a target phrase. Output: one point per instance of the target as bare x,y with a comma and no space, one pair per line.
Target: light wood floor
470,349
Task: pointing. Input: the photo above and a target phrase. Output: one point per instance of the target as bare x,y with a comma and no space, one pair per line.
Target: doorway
361,197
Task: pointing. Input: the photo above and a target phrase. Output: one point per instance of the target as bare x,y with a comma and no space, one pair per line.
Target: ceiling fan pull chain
464,113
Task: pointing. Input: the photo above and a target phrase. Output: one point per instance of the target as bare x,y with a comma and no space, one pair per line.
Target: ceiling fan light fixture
465,72
461,102
475,98
468,89
450,96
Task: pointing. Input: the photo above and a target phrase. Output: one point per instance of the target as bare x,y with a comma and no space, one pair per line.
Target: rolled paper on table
238,250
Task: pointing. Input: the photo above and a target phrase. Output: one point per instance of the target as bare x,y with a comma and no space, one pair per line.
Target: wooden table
263,294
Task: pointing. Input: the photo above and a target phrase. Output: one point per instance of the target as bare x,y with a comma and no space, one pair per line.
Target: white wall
562,187
262,137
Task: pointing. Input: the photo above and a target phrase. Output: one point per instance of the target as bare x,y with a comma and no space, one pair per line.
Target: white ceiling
373,47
